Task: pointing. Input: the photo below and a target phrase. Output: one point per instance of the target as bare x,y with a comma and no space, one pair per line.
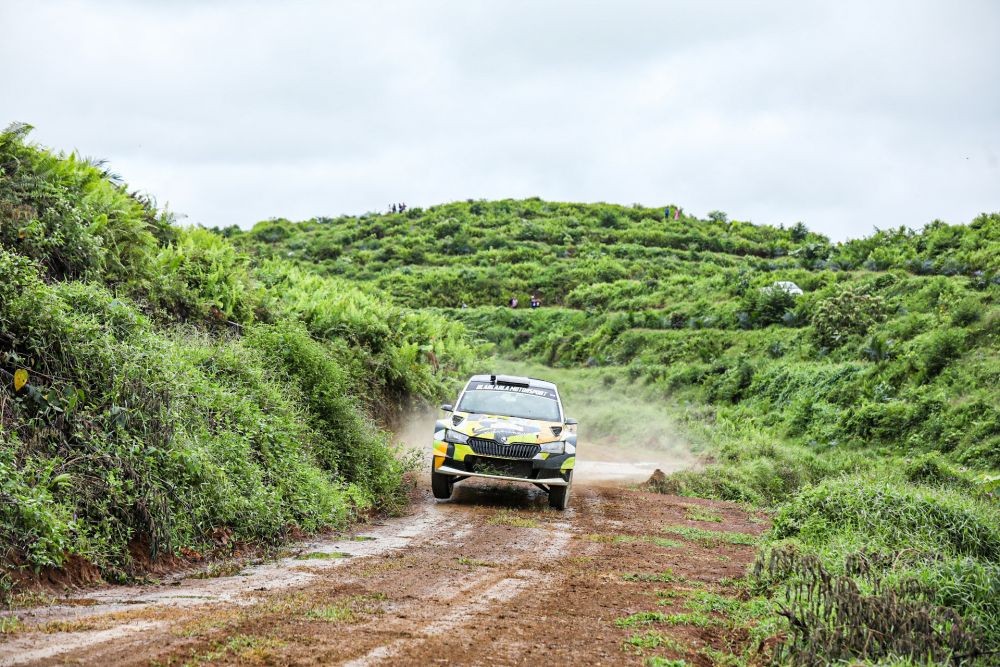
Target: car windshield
512,402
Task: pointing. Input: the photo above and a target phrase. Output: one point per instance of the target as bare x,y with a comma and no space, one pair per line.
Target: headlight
557,447
455,436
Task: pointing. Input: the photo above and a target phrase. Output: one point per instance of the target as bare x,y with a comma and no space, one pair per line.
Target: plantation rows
861,407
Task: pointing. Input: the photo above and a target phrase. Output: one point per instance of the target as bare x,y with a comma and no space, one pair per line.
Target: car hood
511,429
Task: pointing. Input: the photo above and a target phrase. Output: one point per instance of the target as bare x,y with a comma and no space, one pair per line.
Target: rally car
506,427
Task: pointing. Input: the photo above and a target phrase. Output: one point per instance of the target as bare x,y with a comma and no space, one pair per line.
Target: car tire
441,485
559,495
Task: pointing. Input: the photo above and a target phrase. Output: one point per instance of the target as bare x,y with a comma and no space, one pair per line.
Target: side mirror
571,422
447,407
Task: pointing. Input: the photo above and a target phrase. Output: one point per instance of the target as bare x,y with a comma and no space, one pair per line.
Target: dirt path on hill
492,577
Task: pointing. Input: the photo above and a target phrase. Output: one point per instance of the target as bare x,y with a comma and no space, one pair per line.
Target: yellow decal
438,462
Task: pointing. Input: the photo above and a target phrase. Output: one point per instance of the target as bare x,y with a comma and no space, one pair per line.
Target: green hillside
162,395
168,390
864,411
891,344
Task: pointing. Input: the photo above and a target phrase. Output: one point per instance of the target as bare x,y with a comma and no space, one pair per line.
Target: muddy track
492,577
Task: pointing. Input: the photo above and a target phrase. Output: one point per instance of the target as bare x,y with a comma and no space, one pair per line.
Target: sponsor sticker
531,391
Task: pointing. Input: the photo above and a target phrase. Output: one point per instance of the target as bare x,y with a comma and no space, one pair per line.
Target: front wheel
559,495
441,485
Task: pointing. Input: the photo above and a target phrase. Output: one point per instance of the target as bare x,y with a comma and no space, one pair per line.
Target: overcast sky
845,115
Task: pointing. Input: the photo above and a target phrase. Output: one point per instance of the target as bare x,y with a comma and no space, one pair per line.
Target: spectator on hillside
666,213
513,302
535,301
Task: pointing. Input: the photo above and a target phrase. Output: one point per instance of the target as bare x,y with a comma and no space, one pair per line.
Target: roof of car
531,382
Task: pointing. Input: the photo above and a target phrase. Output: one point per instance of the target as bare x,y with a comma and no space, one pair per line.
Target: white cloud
845,115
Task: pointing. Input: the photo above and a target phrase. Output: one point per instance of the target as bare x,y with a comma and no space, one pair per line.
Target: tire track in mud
491,577
27,649
490,590
500,591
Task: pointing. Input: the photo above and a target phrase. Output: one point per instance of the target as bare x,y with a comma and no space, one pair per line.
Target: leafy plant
849,312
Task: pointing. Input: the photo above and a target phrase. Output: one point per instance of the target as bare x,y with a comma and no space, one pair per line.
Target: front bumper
548,481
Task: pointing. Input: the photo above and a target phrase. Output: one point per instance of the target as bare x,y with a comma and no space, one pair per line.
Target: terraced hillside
850,387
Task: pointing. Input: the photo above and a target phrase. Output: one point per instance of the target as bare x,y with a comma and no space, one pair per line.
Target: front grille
485,447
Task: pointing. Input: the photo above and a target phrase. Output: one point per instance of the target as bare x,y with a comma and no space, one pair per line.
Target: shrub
731,385
201,275
70,216
878,348
931,468
353,449
849,312
142,428
887,515
966,312
935,350
768,305
164,437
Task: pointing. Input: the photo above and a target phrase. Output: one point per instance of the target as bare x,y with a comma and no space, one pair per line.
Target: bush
966,312
833,619
70,216
935,350
931,468
143,428
849,312
768,305
888,515
351,448
163,438
200,275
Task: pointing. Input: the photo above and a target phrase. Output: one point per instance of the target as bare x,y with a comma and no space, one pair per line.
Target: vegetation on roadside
162,394
848,387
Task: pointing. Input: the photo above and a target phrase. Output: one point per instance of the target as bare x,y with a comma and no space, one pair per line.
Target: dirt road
492,577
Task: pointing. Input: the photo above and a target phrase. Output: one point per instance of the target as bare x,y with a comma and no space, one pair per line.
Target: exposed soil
492,577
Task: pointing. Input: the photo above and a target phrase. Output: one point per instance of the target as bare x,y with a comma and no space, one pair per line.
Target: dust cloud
415,431
625,440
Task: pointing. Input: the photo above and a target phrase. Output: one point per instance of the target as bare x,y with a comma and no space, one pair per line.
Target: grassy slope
179,397
865,411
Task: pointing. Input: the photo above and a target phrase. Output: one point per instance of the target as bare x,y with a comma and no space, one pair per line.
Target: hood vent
456,420
556,430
